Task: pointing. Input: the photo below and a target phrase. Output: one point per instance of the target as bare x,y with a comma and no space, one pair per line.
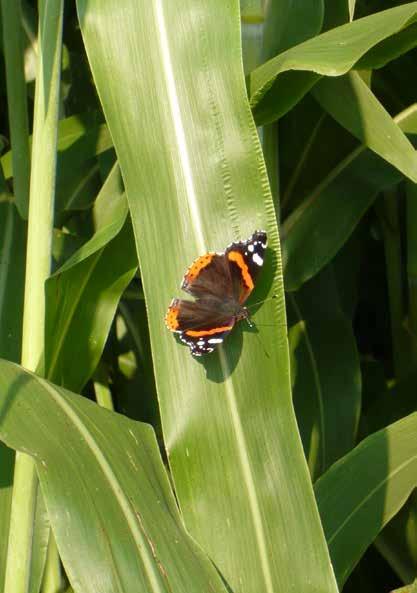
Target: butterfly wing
209,276
200,324
245,261
220,283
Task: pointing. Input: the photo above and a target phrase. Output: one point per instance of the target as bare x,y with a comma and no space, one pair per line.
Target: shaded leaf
325,370
289,23
6,490
12,280
350,101
17,101
397,541
360,493
333,210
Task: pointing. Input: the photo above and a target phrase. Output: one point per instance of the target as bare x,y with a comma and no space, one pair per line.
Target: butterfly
221,284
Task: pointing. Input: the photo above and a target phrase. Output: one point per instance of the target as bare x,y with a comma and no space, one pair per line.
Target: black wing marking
204,344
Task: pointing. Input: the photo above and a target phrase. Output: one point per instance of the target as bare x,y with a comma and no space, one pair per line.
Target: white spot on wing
257,259
215,341
251,248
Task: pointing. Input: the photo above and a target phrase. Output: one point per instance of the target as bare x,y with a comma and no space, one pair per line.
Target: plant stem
52,578
40,225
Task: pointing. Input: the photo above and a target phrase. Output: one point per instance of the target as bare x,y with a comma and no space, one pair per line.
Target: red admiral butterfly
221,284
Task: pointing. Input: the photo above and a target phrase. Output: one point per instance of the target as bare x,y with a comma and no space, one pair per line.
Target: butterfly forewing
209,275
245,261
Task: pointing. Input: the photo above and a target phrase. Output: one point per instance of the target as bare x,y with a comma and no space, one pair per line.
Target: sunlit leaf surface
195,180
106,491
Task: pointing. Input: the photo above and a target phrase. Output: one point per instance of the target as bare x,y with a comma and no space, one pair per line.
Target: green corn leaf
195,180
349,100
82,296
6,490
17,101
331,212
80,137
108,497
325,370
360,493
280,83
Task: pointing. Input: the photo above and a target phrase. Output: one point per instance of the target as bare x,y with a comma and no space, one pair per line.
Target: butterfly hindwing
204,344
199,323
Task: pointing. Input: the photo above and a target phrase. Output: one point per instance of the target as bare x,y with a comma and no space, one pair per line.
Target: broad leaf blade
350,101
326,373
12,266
108,497
311,229
228,422
80,137
289,23
12,279
336,12
331,54
334,208
81,298
6,490
17,101
359,494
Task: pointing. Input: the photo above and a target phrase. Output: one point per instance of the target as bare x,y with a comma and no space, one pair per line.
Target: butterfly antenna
251,324
274,296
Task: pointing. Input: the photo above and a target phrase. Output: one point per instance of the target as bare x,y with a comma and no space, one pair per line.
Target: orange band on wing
171,318
238,259
208,332
200,263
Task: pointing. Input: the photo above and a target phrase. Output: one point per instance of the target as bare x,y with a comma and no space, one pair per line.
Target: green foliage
285,460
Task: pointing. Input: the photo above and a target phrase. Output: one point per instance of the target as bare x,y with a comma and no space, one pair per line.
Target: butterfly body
220,284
